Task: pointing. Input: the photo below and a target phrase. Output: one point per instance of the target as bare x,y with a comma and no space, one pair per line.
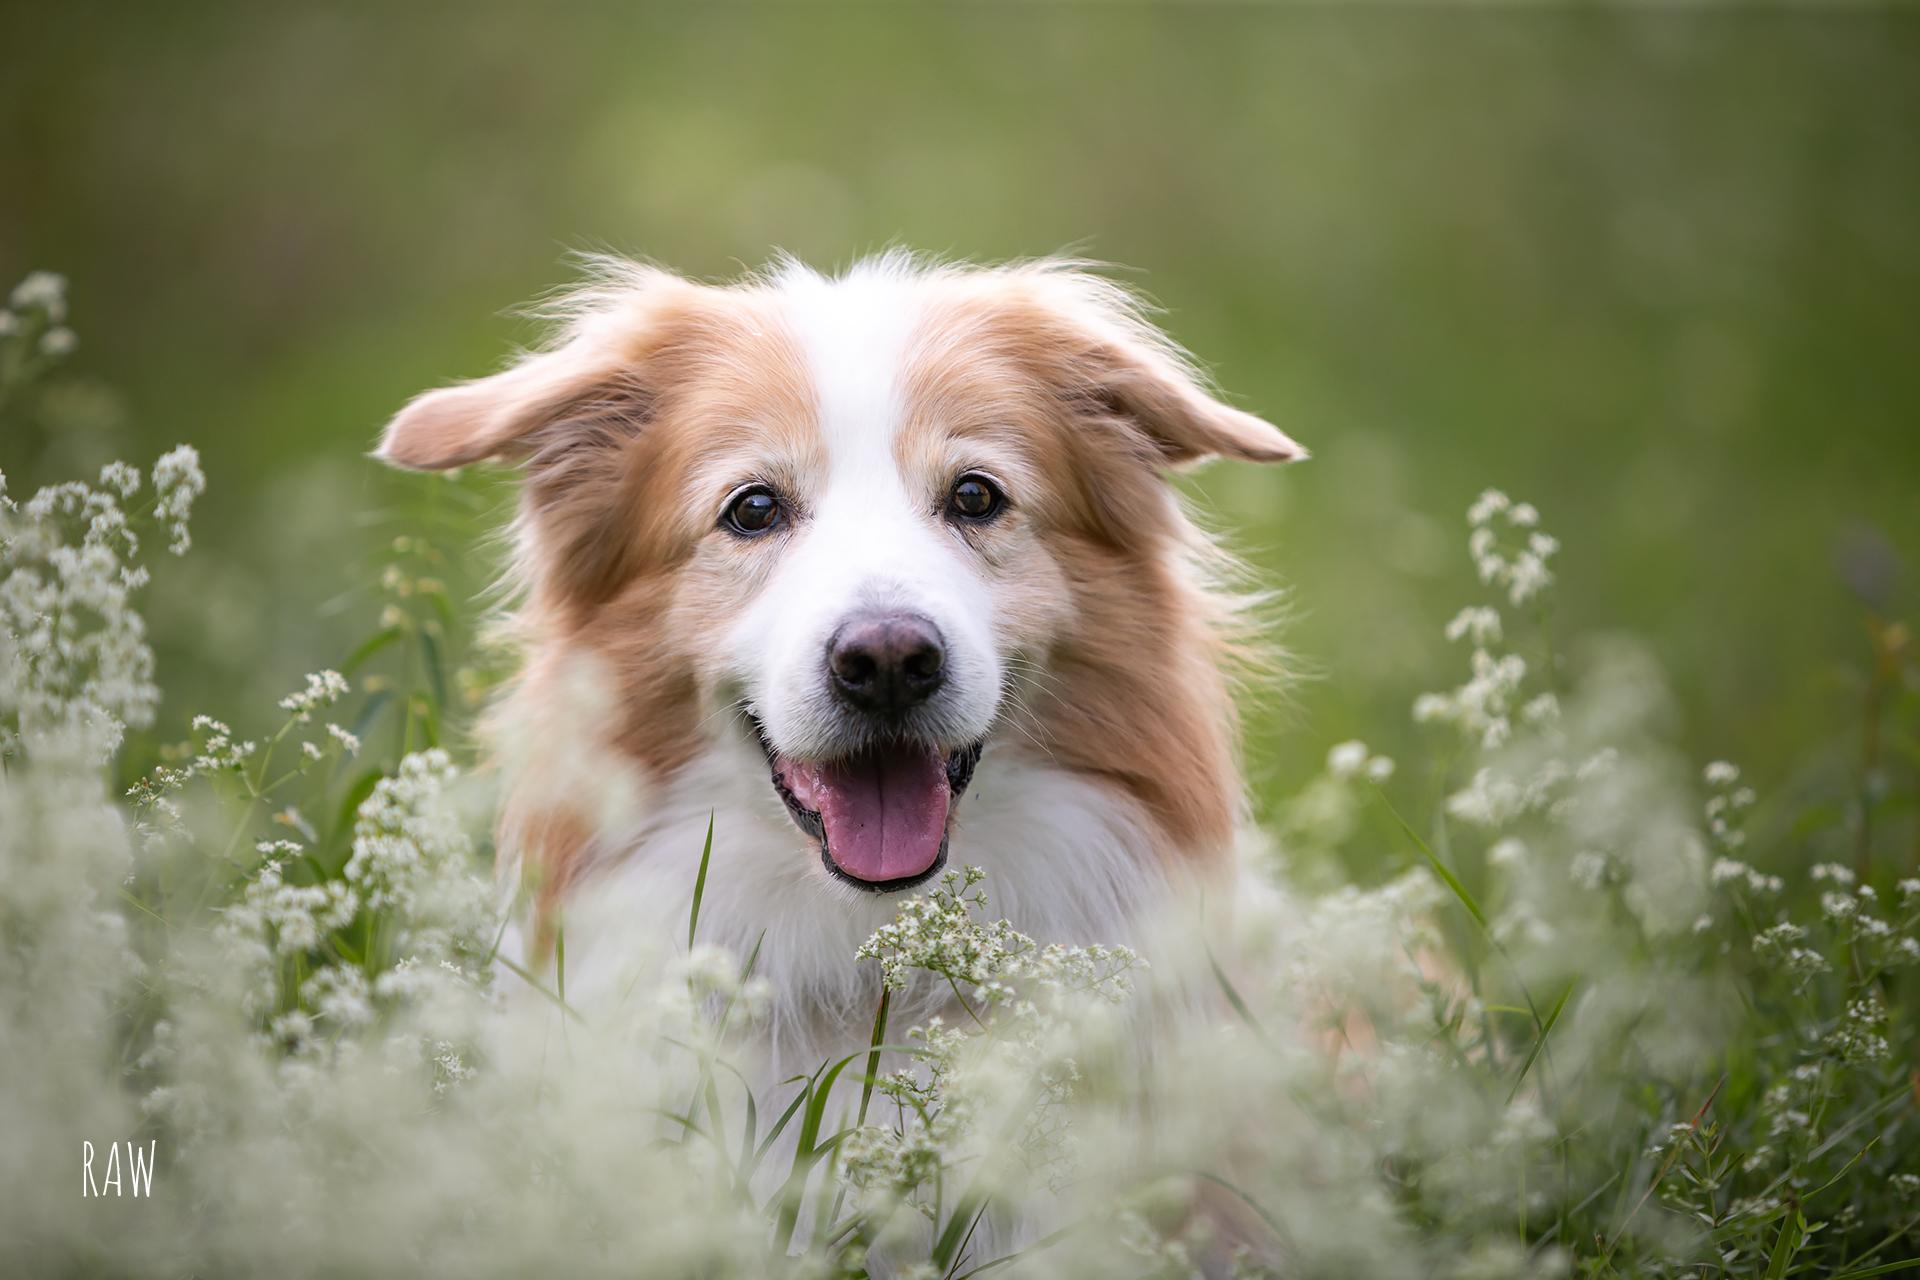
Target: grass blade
873,1052
1884,1269
1439,868
1792,1232
1234,997
700,883
1540,1041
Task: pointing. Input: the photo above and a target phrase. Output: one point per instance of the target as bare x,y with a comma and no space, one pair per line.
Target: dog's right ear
494,417
593,375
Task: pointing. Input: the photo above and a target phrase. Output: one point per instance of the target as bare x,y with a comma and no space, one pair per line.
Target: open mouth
881,815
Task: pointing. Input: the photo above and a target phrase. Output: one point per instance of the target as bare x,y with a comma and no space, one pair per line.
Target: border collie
877,572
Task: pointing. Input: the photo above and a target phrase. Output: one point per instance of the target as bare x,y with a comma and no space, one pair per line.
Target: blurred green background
1657,273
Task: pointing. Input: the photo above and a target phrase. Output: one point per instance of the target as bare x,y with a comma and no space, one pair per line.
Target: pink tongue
885,811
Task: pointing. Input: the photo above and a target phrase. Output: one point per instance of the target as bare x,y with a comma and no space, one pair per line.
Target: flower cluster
177,481
1028,1007
1352,759
324,688
1485,707
937,933
75,665
36,314
413,860
1510,551
326,956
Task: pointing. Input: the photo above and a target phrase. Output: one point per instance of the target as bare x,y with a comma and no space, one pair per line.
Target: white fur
1068,858
866,540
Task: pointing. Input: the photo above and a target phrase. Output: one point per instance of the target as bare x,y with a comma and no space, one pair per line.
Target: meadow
1581,1032
1588,809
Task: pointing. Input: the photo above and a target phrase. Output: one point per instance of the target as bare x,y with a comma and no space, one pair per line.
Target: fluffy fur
1085,639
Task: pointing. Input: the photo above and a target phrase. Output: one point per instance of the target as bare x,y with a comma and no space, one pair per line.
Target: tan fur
1132,688
663,395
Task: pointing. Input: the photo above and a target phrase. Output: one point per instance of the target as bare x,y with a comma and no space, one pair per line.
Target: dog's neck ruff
1067,859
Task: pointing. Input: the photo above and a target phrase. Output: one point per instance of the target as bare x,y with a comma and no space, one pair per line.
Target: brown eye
753,511
974,498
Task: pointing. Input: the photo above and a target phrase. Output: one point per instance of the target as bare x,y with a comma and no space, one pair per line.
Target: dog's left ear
1117,363
1166,399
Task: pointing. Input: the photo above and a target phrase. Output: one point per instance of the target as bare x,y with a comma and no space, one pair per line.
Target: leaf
1540,1041
376,703
700,883
873,1054
1792,1232
350,803
779,1126
444,607
527,977
1440,868
371,645
805,1154
436,668
1233,995
1884,1269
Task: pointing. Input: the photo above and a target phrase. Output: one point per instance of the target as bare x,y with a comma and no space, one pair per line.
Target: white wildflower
1489,504
324,688
1781,945
1527,576
1347,759
1507,854
42,291
1488,800
1861,1035
1542,709
1721,773
1591,869
177,481
1734,871
1481,707
122,478
220,751
1480,624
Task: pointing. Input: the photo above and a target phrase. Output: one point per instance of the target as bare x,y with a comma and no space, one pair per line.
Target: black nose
885,663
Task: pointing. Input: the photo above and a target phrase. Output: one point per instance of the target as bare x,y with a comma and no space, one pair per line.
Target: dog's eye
974,498
753,511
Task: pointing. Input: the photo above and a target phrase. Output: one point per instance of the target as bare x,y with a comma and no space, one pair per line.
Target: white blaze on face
866,536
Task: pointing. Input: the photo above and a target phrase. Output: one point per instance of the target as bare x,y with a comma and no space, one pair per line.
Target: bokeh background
1658,273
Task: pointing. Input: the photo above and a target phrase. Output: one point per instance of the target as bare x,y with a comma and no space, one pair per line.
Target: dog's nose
886,663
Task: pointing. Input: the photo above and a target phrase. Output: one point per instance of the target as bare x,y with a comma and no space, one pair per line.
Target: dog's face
871,523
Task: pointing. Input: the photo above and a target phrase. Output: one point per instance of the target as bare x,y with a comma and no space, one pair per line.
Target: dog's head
872,523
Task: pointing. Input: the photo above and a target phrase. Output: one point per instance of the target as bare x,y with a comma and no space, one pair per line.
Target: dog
870,574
